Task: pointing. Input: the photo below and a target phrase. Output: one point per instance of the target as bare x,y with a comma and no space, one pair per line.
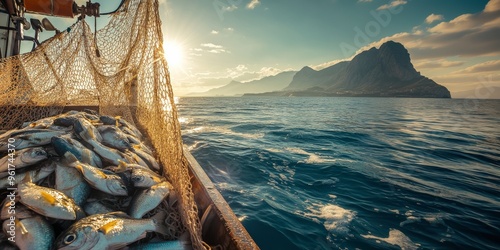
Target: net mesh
129,79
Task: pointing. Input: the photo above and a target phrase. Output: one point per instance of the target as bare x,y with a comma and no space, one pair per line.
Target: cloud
489,66
229,29
392,4
239,73
328,64
241,67
365,1
214,32
461,82
433,18
269,71
436,64
209,48
252,4
229,8
467,35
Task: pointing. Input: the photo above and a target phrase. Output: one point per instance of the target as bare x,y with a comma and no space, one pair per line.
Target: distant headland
383,72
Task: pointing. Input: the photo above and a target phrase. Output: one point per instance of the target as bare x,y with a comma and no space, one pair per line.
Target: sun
174,53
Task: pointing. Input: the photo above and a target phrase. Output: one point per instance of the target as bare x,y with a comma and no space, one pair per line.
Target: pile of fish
81,180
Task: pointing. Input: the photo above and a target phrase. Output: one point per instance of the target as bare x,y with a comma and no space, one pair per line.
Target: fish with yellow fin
47,201
109,231
97,178
33,233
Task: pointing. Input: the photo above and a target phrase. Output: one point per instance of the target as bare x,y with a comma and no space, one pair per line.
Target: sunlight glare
174,54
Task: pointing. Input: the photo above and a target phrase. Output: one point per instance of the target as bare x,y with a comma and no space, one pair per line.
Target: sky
454,42
208,43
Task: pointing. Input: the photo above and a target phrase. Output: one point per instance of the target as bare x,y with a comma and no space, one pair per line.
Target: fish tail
87,135
69,159
160,226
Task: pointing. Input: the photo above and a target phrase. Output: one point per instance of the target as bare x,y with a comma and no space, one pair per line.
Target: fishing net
130,78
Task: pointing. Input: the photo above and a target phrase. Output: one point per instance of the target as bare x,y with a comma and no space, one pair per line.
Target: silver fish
110,155
86,131
145,178
72,183
47,201
148,159
133,157
13,208
97,178
33,233
37,174
128,128
27,138
108,231
148,199
113,137
96,207
64,144
141,146
23,158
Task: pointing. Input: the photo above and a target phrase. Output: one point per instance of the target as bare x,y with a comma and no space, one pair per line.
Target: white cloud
209,48
392,4
365,1
217,51
328,64
252,4
489,66
229,29
214,32
437,64
211,45
468,35
269,71
433,18
229,8
241,67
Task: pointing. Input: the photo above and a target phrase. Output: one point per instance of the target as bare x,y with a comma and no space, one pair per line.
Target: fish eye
136,178
38,152
69,239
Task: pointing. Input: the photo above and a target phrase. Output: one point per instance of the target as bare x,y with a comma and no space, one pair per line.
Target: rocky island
383,72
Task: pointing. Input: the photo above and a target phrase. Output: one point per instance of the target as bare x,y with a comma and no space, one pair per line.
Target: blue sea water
353,173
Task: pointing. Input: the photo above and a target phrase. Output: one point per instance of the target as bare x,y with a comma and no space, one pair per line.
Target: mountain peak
386,71
307,69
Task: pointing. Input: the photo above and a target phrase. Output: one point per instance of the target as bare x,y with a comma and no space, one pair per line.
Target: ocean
353,173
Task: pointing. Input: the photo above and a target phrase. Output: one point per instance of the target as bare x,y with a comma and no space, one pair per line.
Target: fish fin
69,158
159,222
122,167
27,179
48,197
102,174
106,228
24,137
79,167
87,135
21,226
117,118
137,147
120,214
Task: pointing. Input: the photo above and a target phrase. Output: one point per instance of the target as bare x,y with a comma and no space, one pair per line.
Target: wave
335,219
223,131
396,238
